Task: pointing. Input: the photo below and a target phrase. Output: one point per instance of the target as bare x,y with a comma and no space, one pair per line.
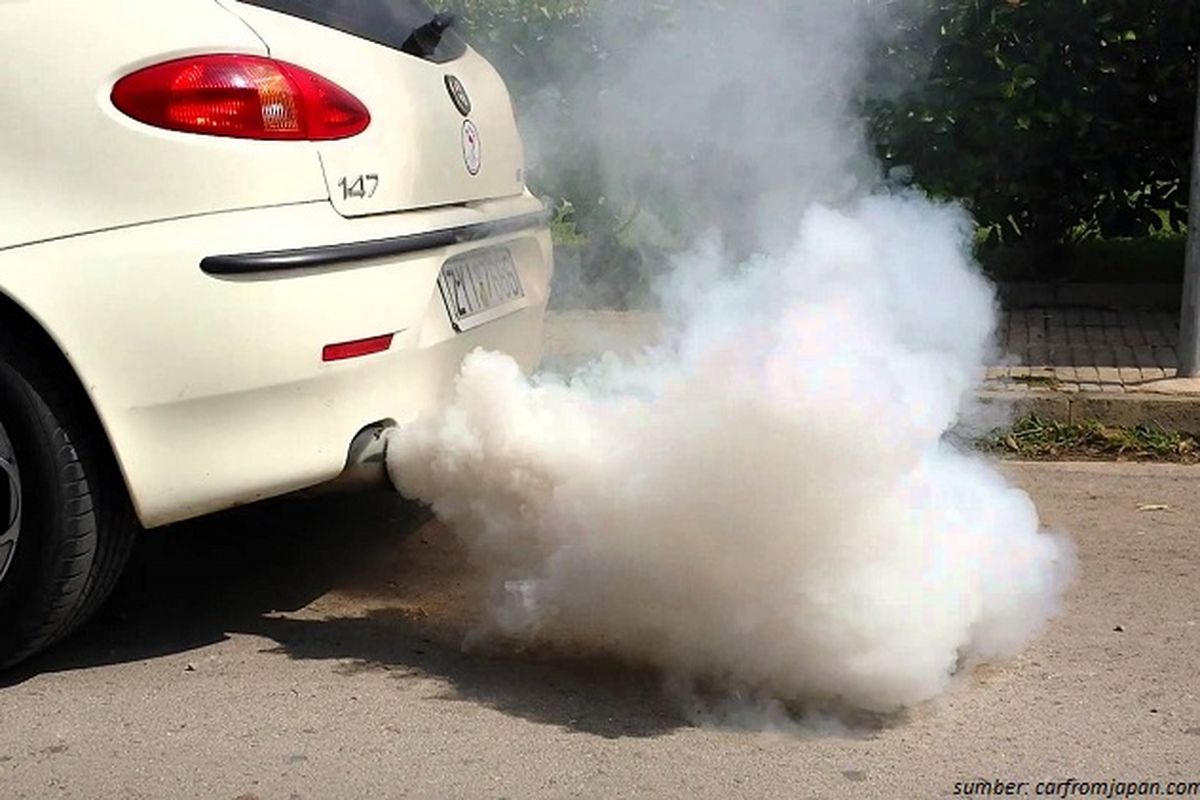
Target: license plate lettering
479,287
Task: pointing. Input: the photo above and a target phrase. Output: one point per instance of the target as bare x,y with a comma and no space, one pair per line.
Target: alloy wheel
10,502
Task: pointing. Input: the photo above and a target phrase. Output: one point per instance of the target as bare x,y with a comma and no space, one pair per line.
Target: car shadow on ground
591,695
192,584
366,581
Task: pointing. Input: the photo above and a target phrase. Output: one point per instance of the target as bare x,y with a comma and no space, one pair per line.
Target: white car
238,240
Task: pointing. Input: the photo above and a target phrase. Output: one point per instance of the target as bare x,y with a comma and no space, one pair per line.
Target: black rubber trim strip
335,254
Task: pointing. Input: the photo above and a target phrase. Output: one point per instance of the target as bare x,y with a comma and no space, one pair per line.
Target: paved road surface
309,649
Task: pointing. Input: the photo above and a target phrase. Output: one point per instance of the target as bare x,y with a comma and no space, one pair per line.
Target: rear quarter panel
72,164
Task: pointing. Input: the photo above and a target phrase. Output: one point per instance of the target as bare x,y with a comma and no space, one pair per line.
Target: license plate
479,287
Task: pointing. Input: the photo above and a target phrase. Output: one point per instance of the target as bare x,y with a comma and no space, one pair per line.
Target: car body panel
212,388
412,154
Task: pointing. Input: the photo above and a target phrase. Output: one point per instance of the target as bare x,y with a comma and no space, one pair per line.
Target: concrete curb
1181,414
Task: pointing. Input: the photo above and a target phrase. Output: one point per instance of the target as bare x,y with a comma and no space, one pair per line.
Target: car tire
67,515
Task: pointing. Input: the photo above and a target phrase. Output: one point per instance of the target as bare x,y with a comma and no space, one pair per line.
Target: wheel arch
20,322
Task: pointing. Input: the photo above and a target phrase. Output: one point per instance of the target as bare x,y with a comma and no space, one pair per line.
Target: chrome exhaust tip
366,463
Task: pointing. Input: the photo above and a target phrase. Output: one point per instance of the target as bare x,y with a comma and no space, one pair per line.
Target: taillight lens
242,96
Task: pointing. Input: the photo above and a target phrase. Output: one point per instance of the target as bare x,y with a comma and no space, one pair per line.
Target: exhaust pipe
366,463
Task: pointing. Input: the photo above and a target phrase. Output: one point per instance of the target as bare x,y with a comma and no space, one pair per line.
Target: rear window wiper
424,41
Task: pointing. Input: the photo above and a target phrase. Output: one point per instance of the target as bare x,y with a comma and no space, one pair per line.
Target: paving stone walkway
1084,350
1060,349
1064,364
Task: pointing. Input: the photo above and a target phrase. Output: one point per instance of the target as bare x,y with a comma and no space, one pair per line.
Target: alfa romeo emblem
462,101
472,147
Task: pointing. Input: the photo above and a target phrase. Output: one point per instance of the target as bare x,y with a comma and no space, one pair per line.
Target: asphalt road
310,649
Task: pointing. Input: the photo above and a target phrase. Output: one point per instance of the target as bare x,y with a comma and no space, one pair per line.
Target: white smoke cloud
766,501
765,505
733,115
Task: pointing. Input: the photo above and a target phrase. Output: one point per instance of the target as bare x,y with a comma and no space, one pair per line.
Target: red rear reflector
357,349
242,96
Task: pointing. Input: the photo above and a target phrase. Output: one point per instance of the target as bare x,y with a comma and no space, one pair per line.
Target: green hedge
1056,120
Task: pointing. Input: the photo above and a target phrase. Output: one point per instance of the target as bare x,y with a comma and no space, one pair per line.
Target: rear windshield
407,25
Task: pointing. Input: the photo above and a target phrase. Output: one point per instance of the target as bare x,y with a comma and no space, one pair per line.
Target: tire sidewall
42,455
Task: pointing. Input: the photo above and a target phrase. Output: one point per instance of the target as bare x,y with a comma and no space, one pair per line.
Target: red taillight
243,96
357,349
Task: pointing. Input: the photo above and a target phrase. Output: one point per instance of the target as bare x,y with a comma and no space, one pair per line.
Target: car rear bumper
343,253
211,385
